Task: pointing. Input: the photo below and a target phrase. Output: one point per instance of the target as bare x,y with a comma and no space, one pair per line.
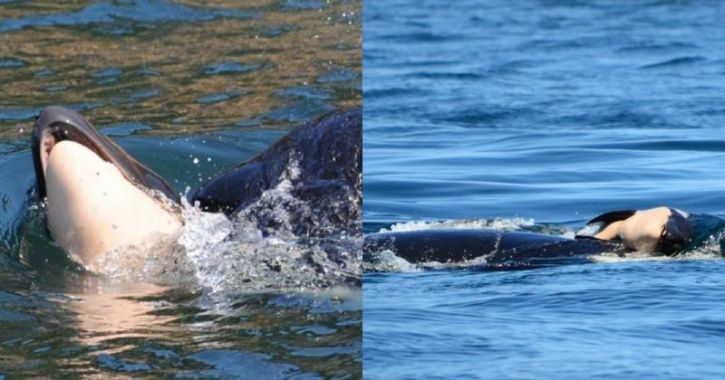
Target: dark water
190,88
541,115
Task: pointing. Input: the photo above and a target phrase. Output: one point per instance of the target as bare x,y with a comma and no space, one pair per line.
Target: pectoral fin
610,223
612,216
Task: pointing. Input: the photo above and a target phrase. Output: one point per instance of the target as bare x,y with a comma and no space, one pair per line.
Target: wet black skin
329,152
515,249
676,236
327,191
502,249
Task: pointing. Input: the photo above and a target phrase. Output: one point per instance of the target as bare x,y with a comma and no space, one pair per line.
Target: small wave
18,114
447,75
11,63
557,44
483,116
618,116
219,97
674,62
643,256
387,261
339,75
231,67
667,145
654,47
423,37
299,111
141,11
303,5
391,92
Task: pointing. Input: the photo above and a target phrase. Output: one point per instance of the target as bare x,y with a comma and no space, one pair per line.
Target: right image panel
543,189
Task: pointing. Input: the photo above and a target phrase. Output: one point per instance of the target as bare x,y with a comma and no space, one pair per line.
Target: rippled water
539,116
189,88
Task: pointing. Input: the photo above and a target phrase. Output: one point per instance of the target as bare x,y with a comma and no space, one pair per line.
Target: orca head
56,124
98,197
676,233
660,230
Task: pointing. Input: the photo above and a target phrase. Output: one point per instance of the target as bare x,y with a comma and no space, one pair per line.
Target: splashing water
219,254
497,224
274,205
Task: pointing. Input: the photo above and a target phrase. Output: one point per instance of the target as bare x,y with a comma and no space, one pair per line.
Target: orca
55,124
321,164
658,231
499,249
99,198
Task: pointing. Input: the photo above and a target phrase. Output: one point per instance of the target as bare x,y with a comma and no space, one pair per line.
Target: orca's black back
327,153
501,248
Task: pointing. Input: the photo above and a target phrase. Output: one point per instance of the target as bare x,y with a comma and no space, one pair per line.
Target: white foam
504,224
387,261
589,230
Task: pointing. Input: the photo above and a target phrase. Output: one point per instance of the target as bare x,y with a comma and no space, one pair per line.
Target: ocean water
540,116
190,89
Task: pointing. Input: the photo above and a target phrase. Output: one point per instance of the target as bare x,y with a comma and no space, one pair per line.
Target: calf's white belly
92,209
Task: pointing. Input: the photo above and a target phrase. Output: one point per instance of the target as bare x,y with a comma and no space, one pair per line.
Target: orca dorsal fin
612,216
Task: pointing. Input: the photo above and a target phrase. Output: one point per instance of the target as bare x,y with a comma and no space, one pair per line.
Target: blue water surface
543,113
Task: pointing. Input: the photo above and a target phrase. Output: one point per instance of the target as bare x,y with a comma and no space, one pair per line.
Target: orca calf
660,230
97,196
100,198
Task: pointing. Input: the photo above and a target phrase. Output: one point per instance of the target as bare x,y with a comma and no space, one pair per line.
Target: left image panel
180,189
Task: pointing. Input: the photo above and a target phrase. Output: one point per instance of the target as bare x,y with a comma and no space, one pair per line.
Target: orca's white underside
92,208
